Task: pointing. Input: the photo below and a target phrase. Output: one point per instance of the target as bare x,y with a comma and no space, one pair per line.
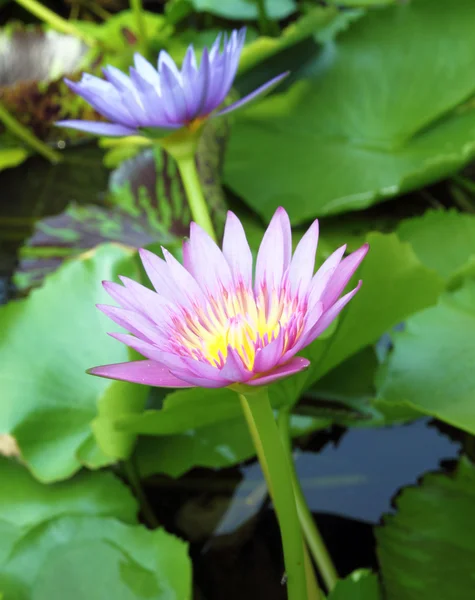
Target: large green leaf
245,9
91,557
443,240
360,585
367,123
218,445
60,417
427,549
26,502
431,366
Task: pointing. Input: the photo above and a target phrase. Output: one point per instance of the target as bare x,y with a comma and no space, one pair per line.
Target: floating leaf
78,229
431,366
243,10
366,123
360,585
62,418
26,502
444,240
427,549
84,558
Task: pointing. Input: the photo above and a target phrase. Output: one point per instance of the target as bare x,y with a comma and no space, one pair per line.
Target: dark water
349,484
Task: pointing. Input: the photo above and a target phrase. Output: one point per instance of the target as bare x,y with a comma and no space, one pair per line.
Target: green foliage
360,585
48,341
245,9
427,549
443,241
365,123
431,366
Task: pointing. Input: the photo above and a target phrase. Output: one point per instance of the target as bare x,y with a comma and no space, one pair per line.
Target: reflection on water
358,476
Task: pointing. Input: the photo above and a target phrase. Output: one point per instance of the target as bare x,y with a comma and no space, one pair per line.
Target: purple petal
146,372
293,366
146,70
202,84
330,315
173,96
131,321
236,250
261,91
97,128
269,356
274,252
303,261
324,274
206,263
342,275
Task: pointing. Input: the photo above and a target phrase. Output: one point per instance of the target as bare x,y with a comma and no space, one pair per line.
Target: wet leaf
427,549
363,123
48,341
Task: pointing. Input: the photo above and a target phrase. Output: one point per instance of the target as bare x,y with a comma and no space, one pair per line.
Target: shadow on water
349,485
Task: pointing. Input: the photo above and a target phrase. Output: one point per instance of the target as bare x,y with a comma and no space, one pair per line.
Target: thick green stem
183,145
194,193
312,535
24,134
270,451
137,9
51,18
136,485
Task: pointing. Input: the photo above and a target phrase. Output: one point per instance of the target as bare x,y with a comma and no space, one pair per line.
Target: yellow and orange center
241,320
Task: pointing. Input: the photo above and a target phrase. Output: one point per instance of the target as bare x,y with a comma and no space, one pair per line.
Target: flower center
243,321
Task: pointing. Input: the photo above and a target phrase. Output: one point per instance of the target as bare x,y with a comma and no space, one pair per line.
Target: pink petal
293,366
234,370
274,252
324,274
146,349
268,357
146,372
186,283
130,320
303,261
236,250
150,304
342,275
120,294
330,315
205,261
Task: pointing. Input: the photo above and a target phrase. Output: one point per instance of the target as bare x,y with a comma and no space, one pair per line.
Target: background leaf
366,123
360,585
431,366
48,341
427,549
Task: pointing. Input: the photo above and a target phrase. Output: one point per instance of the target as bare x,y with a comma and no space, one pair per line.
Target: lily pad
365,123
243,10
60,417
84,558
360,585
431,366
427,549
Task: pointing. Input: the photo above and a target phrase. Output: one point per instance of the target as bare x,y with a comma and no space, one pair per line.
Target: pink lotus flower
209,325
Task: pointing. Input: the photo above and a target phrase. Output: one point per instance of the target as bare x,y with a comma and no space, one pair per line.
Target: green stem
24,134
137,9
56,22
136,485
270,451
266,25
196,200
312,535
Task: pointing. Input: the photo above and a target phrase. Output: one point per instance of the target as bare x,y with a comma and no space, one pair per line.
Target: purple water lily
210,323
165,98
